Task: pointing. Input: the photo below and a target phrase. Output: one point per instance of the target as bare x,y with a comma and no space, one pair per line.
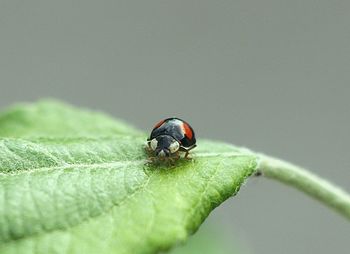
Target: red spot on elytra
187,130
159,124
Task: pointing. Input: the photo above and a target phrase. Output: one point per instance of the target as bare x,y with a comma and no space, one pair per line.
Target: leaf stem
311,184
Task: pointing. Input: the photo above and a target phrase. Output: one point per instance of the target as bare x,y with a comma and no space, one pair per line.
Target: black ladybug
170,136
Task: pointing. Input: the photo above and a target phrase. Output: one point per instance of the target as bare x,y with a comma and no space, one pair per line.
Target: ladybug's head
164,145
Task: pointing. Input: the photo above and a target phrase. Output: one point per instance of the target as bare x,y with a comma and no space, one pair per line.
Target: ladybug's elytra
170,136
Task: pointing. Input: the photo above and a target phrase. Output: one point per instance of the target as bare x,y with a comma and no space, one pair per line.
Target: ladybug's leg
171,161
151,160
186,155
187,150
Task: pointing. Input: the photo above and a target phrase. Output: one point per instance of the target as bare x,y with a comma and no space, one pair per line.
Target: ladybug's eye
174,146
154,144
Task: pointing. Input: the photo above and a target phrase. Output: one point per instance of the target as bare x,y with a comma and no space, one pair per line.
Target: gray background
270,75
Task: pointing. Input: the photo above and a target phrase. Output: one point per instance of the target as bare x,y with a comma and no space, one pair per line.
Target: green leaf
74,181
50,118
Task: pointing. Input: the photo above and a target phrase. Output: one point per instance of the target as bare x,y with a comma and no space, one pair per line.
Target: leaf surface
75,181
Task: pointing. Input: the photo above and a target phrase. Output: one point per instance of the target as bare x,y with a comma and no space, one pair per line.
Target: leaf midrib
68,166
65,165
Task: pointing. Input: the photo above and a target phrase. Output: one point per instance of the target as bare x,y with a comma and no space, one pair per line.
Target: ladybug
170,136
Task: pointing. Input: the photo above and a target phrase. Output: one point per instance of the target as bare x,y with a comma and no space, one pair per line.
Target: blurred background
270,75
